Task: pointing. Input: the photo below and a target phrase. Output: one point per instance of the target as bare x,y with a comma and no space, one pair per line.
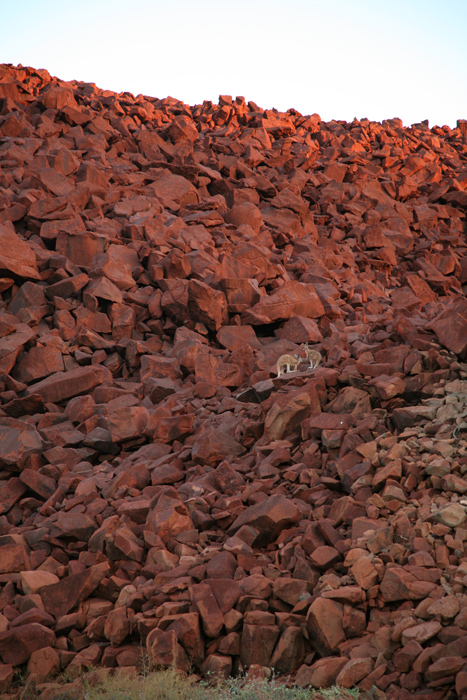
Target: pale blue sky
340,58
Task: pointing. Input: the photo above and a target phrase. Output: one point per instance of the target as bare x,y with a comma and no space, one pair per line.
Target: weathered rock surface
160,486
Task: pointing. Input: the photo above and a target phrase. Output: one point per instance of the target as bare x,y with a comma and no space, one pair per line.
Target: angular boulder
291,299
269,517
65,385
17,258
18,441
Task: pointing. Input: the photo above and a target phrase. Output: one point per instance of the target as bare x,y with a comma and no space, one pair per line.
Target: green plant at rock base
172,685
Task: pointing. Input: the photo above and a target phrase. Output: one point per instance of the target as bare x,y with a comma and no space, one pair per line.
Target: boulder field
162,491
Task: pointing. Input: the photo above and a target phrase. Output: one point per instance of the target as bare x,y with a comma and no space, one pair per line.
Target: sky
341,59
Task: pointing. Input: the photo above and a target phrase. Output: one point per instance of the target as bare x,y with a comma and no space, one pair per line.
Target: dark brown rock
17,258
325,625
281,421
60,598
65,385
207,305
257,644
17,645
18,442
269,518
212,446
12,344
206,605
164,650
291,299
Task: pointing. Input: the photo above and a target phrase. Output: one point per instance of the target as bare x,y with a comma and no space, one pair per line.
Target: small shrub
159,685
173,685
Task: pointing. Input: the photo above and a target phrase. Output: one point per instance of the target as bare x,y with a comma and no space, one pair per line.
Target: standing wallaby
313,356
288,363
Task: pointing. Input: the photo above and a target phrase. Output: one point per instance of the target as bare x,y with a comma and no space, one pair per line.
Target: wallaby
313,356
288,363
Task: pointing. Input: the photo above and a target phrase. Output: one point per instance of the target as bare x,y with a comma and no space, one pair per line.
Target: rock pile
160,487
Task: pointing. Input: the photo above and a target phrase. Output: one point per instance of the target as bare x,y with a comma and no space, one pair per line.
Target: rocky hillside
160,487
